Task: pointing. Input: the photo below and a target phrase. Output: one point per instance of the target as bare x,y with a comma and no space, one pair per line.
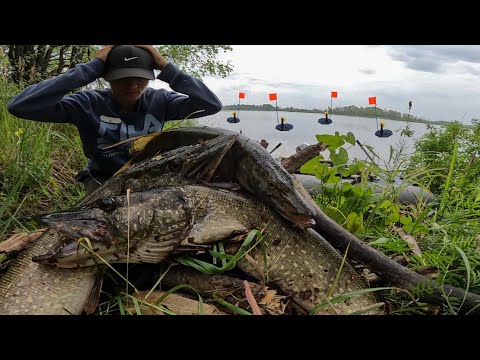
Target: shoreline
352,115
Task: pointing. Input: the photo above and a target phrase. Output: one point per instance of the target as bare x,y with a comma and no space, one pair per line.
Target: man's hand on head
103,52
160,61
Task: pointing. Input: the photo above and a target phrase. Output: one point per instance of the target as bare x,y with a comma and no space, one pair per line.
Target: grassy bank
38,163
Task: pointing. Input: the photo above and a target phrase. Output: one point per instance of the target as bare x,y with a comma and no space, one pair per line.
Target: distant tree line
351,110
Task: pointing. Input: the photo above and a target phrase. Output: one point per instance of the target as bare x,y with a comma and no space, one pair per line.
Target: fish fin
123,142
92,300
140,143
124,167
209,171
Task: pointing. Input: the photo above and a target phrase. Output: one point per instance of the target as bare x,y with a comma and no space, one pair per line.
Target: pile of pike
186,192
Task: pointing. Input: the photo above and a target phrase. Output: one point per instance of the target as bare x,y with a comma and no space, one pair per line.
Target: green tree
28,64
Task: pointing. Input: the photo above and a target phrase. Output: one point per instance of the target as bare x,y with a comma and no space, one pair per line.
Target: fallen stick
409,239
295,162
20,241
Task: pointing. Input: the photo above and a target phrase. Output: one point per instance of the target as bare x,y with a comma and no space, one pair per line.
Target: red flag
334,94
372,100
273,96
241,95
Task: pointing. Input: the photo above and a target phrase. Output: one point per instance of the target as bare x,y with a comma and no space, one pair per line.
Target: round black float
383,132
233,119
284,127
325,121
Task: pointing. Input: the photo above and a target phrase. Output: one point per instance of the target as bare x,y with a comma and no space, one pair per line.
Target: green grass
38,162
447,230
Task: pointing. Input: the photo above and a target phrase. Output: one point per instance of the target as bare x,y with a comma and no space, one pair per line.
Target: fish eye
271,185
108,204
174,166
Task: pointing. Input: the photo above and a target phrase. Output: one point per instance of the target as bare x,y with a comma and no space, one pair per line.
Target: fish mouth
303,214
84,238
298,218
301,219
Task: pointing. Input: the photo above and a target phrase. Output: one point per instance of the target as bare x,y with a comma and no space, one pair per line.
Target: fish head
266,179
115,227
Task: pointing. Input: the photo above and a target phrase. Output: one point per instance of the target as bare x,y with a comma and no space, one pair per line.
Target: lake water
260,125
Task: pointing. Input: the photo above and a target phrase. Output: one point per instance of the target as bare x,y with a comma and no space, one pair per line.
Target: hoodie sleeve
46,101
195,95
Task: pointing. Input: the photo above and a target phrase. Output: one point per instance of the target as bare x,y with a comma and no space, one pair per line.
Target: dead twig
295,162
251,299
18,242
409,239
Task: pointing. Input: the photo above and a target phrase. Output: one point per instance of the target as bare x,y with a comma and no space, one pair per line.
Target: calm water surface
260,125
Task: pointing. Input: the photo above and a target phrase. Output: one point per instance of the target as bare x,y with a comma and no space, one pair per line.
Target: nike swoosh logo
128,59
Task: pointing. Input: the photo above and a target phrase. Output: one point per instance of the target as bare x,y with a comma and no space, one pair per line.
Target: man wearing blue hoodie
127,109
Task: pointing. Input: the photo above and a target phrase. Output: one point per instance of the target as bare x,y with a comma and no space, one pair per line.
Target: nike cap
129,61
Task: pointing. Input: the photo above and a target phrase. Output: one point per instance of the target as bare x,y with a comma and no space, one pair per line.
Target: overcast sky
442,81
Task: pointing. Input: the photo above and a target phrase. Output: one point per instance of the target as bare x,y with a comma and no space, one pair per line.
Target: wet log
295,162
424,288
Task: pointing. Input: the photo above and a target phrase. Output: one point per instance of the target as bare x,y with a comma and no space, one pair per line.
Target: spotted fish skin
28,288
299,261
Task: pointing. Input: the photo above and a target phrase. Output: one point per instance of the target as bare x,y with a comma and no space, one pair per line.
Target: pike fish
32,288
246,163
149,226
29,288
186,164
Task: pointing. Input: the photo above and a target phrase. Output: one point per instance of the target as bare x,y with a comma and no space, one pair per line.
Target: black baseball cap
129,61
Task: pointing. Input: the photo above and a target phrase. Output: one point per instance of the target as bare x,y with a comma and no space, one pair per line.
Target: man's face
129,89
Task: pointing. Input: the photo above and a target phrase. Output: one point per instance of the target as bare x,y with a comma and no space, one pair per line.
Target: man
127,109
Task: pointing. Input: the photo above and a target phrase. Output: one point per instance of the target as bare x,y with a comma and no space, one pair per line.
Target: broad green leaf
314,167
350,138
406,219
384,204
393,217
340,158
333,141
355,222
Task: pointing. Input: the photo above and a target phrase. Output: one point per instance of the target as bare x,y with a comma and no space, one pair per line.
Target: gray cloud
435,58
443,88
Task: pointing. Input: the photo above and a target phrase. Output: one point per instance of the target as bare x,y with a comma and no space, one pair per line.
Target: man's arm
45,101
197,95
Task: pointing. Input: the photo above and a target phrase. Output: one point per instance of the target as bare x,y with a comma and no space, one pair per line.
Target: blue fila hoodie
100,121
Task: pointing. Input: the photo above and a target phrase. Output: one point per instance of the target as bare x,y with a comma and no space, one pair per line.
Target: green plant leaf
333,141
350,138
406,220
340,157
